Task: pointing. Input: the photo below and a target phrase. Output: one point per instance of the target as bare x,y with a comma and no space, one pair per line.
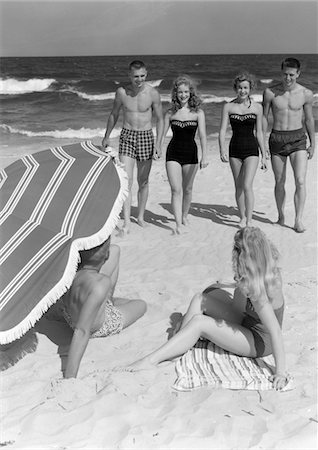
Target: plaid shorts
136,144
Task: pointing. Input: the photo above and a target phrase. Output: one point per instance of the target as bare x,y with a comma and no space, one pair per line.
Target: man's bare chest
290,102
138,103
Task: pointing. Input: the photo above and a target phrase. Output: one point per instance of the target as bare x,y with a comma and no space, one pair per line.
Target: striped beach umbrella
54,203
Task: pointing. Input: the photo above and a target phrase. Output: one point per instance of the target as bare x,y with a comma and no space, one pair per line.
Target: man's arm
267,102
309,122
113,117
157,110
82,330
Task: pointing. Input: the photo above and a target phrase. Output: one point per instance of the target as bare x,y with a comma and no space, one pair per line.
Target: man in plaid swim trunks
289,102
139,101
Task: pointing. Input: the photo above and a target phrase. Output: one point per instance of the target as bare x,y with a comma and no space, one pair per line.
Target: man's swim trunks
284,143
136,144
113,321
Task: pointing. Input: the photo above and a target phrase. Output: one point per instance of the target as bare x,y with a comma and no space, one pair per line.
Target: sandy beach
102,409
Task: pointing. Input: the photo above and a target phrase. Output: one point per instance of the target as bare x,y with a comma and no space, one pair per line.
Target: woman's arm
202,136
259,134
222,132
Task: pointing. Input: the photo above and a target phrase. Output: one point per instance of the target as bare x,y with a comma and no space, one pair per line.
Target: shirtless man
89,308
289,101
139,101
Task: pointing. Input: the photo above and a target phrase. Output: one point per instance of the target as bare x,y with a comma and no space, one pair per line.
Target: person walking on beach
89,308
247,325
139,101
289,102
184,117
245,116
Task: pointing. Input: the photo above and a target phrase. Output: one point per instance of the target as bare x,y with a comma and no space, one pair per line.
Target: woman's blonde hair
255,263
194,100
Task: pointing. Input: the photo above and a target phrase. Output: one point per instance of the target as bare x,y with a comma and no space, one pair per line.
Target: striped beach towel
206,364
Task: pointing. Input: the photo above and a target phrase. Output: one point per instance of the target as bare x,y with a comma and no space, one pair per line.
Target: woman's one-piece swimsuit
182,147
262,339
243,142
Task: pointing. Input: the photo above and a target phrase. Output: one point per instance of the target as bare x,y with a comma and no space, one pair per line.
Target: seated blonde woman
247,325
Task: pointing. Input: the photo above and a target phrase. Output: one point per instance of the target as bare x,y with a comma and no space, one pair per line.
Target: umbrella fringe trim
71,267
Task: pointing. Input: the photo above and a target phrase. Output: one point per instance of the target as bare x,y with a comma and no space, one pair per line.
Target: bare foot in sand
123,231
142,223
299,227
180,230
249,223
185,221
281,220
242,223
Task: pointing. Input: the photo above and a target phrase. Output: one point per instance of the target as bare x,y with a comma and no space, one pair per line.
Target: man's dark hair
293,63
137,64
88,255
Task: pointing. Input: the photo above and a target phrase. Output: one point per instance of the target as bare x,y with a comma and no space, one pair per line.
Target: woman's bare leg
228,334
249,170
236,167
188,174
217,303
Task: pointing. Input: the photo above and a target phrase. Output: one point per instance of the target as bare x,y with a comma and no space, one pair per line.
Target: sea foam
11,86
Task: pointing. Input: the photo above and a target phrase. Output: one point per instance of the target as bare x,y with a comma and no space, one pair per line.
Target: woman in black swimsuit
244,115
184,116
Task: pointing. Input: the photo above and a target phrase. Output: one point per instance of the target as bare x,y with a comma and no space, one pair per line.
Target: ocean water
58,99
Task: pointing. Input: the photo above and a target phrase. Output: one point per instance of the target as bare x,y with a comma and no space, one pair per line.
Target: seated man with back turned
89,308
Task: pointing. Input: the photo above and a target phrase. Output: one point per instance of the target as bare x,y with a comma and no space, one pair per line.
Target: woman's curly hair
244,76
194,100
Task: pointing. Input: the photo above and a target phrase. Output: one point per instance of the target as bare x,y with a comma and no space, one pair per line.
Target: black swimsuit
182,147
243,142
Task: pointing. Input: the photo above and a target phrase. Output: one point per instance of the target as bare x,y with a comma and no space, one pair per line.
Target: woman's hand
203,163
224,157
157,152
280,380
264,163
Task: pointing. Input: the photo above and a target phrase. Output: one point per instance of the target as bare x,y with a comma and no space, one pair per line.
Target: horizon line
156,54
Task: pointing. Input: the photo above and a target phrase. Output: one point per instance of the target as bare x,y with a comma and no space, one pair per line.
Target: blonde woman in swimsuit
247,325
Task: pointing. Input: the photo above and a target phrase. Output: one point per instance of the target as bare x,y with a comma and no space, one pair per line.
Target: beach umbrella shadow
11,353
58,332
